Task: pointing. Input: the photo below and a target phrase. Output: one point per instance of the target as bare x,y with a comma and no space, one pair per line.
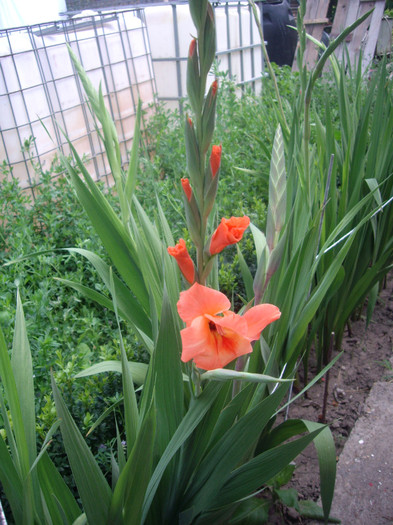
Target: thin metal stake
326,392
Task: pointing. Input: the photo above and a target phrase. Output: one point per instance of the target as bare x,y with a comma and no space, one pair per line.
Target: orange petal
196,339
212,346
199,300
187,188
183,259
231,321
229,347
215,159
258,317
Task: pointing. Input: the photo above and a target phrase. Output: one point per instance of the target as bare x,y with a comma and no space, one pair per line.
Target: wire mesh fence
239,49
133,53
41,98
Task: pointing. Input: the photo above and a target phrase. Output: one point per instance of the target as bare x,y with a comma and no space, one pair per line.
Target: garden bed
365,360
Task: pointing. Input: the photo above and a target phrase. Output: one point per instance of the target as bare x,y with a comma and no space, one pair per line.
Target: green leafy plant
69,332
183,459
316,256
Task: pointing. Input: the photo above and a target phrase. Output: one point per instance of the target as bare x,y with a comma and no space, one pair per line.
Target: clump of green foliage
67,332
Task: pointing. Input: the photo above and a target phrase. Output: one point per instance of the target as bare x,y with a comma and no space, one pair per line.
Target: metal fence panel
134,53
239,49
40,94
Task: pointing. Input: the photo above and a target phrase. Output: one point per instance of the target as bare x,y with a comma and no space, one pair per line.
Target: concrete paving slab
364,485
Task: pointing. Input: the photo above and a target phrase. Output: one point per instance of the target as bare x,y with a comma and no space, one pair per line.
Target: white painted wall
15,13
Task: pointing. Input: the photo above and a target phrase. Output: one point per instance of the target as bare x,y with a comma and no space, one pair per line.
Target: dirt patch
365,360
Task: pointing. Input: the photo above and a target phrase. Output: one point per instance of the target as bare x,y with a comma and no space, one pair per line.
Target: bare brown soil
365,360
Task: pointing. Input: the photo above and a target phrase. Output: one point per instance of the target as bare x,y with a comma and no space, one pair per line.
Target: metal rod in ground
326,392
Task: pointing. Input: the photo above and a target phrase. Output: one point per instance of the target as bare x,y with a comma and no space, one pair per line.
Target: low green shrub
68,332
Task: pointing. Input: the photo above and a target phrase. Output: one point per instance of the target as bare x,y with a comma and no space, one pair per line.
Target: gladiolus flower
214,87
215,159
215,336
183,259
229,231
187,188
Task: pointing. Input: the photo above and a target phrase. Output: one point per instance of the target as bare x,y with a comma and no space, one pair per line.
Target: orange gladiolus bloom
229,231
215,159
215,336
183,259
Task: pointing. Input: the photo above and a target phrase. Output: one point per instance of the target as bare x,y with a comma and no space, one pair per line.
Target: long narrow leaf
185,429
56,493
223,374
131,487
22,368
11,482
110,229
277,192
326,450
16,436
249,477
138,370
127,304
216,467
134,157
131,414
93,488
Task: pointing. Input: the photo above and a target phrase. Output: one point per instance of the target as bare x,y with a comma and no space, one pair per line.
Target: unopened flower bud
183,259
215,159
187,188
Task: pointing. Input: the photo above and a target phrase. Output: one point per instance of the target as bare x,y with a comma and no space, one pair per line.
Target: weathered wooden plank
315,20
323,21
346,14
360,32
375,24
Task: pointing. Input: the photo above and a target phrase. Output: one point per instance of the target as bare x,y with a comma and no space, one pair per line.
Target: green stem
240,364
196,379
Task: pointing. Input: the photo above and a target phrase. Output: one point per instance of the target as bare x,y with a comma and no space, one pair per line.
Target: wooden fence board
364,38
315,20
371,44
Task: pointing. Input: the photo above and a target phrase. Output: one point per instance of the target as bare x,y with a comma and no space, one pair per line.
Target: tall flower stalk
214,336
203,158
